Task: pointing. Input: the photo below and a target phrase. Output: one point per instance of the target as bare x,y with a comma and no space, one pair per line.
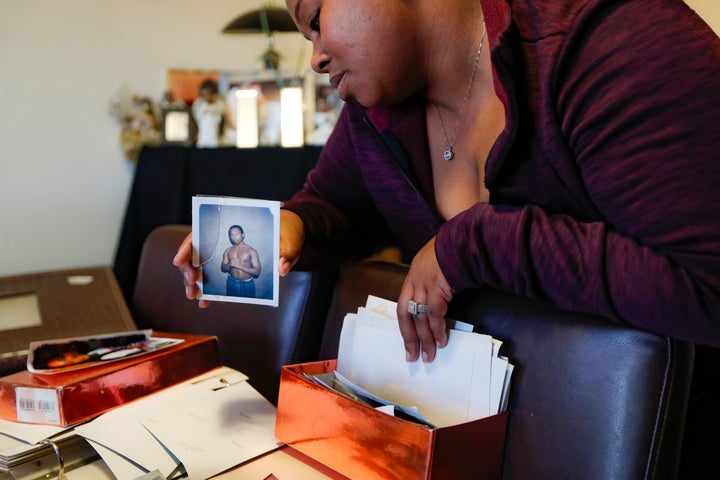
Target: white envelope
215,431
209,424
453,388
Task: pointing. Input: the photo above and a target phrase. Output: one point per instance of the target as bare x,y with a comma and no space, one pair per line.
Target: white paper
504,398
122,468
281,463
30,433
497,380
216,431
453,388
8,445
121,431
219,410
384,307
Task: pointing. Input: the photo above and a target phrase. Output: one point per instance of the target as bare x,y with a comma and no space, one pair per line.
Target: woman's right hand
183,260
292,234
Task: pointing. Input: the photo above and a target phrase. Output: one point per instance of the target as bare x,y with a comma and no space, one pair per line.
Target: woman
582,141
562,150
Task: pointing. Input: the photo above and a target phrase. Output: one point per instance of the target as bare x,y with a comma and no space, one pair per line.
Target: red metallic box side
470,450
86,393
361,442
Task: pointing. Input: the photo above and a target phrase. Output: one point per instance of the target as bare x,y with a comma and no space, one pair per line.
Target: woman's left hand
425,284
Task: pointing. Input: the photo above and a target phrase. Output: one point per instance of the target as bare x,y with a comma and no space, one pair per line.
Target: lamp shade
278,20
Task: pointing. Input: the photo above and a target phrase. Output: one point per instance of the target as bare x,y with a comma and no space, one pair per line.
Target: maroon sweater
605,184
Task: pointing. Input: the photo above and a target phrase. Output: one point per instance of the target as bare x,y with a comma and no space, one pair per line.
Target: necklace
448,154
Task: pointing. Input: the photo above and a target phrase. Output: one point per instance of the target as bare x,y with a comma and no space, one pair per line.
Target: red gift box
360,442
68,398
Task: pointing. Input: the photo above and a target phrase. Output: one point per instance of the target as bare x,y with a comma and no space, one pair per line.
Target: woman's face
365,46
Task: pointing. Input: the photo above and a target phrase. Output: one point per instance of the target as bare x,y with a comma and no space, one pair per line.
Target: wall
709,10
63,179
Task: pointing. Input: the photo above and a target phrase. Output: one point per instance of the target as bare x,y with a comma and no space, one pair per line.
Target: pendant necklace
448,154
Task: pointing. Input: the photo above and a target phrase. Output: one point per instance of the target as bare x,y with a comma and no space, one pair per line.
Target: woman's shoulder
538,19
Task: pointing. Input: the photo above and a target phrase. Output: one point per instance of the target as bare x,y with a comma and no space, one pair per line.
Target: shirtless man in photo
242,264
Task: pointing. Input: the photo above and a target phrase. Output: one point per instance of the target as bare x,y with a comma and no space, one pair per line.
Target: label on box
37,405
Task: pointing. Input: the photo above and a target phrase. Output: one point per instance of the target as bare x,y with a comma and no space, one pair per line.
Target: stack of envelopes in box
467,380
371,414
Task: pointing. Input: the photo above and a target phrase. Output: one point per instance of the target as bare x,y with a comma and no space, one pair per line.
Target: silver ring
414,308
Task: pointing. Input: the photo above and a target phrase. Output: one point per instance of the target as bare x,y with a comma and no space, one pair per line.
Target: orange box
68,398
361,442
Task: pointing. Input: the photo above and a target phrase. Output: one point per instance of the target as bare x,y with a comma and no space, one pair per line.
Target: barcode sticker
37,405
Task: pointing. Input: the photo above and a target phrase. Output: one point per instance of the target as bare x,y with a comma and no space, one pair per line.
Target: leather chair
589,400
254,339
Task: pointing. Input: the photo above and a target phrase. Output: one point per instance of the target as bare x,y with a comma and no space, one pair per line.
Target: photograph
184,85
236,246
176,125
66,354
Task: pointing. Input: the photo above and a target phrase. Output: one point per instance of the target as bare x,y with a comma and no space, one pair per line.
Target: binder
50,458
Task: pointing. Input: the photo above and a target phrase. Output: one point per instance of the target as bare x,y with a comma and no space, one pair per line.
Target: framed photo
177,125
236,245
185,84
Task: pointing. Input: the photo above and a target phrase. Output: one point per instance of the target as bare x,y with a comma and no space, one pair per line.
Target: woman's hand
292,235
183,260
425,284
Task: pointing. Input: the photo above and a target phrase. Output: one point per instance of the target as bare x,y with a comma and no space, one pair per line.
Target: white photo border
212,217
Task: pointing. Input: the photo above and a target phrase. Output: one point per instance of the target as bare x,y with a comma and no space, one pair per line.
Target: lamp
266,19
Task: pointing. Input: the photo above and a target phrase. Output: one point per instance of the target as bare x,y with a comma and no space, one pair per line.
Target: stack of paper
467,380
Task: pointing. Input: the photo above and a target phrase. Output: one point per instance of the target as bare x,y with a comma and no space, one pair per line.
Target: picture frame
177,126
184,84
237,265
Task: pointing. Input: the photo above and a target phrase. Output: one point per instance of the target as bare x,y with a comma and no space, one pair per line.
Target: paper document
207,425
29,433
335,381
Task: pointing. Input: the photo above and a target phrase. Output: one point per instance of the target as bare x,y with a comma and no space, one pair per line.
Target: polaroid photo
236,245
